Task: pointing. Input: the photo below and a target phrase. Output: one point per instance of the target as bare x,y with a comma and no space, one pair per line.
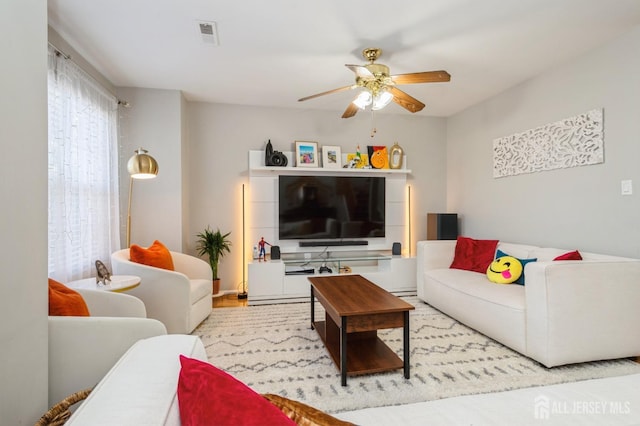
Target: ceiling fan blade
328,92
351,110
404,100
361,71
421,77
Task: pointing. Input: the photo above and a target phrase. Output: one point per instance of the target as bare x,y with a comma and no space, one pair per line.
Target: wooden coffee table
355,309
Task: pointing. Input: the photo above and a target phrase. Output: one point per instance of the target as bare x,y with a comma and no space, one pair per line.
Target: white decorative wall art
572,142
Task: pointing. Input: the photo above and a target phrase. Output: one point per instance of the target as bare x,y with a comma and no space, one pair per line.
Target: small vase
395,156
216,286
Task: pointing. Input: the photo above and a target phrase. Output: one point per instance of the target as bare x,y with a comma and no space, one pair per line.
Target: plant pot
216,286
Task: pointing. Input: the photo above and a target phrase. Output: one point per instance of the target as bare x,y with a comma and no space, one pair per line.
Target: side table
119,283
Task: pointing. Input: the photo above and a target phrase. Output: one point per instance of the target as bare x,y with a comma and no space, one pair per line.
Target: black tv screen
331,207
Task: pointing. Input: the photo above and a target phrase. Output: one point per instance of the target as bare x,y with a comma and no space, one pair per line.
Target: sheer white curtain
83,171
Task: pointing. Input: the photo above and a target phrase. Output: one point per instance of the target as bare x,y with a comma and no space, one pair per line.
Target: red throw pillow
65,302
572,255
157,255
209,396
474,255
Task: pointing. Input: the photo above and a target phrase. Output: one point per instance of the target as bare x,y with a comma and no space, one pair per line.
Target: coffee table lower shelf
366,352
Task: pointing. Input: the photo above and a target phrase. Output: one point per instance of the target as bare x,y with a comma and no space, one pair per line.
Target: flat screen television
331,207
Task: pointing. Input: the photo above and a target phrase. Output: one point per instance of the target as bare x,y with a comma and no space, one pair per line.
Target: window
83,171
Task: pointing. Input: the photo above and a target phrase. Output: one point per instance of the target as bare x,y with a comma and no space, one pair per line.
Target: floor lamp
140,166
243,293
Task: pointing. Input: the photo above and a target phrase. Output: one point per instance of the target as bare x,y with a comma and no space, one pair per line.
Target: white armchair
83,349
181,299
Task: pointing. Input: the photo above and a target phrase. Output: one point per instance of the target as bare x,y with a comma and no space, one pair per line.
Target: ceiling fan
380,87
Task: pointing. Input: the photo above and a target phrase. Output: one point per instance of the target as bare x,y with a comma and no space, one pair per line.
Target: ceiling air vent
209,32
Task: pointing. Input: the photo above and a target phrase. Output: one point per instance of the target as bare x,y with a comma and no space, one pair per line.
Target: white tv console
285,280
268,281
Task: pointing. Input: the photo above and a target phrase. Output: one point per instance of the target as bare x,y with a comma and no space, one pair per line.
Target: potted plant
215,245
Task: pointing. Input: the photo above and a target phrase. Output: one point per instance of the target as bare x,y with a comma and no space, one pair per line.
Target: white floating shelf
256,165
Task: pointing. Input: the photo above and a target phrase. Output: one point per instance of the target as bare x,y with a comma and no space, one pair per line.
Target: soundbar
333,243
304,271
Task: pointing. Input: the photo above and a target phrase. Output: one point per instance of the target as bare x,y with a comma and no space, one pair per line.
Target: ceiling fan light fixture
363,100
378,86
382,100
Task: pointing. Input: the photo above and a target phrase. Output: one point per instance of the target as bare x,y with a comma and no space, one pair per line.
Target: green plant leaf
215,245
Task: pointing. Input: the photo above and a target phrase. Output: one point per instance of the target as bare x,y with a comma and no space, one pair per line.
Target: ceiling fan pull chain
373,124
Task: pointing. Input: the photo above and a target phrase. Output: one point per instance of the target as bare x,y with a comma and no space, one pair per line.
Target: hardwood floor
229,301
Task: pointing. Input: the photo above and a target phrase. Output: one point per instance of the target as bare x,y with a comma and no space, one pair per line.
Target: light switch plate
626,187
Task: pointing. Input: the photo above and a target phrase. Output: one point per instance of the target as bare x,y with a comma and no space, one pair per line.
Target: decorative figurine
395,156
102,273
261,250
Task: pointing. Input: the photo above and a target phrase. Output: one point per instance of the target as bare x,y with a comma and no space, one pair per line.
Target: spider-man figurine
261,251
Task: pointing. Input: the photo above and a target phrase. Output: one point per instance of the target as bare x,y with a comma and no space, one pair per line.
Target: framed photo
331,157
307,154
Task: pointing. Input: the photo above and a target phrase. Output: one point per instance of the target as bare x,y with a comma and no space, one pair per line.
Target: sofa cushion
473,255
64,301
523,262
156,255
208,395
478,286
519,251
495,310
199,288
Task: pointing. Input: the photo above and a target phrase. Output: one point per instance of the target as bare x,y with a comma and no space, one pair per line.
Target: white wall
23,190
153,122
184,170
572,208
220,137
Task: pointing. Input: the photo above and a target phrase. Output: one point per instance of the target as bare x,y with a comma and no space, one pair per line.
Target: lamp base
242,295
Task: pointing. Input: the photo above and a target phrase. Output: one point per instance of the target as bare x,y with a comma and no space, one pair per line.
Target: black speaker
442,226
275,252
396,249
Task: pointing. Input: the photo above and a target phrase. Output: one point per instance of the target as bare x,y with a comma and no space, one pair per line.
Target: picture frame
307,154
331,157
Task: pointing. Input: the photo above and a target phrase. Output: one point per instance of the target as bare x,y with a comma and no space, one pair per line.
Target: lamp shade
363,99
382,100
142,166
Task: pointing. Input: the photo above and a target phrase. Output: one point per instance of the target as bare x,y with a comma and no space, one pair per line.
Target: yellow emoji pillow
504,270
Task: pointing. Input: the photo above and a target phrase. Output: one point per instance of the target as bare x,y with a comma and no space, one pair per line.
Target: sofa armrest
110,304
141,387
432,254
582,310
83,349
192,267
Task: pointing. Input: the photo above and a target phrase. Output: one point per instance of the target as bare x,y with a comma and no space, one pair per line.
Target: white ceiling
273,52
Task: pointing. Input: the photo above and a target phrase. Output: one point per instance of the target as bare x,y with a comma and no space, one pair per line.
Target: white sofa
83,349
180,299
568,311
141,388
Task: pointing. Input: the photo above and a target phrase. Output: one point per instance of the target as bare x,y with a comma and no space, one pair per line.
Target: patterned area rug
272,349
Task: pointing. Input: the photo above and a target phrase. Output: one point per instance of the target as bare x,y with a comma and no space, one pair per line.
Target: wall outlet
626,187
